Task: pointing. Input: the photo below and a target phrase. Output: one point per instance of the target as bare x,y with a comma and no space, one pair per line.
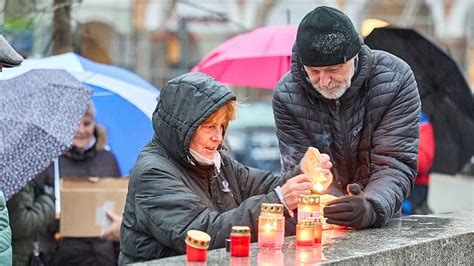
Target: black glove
353,210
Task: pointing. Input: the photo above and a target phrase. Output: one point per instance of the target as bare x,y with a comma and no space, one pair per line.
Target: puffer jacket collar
185,103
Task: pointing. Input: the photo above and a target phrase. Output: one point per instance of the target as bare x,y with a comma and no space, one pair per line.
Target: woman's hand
298,185
113,232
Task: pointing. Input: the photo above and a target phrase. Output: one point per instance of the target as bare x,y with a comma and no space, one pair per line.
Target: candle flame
268,227
304,235
318,187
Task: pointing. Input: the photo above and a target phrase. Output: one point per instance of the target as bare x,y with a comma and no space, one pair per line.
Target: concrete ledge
454,250
433,239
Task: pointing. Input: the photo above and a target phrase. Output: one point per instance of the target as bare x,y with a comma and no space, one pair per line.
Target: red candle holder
318,231
305,233
240,241
197,243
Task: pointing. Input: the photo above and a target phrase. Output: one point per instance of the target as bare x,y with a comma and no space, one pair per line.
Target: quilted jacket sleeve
292,139
5,234
29,213
395,151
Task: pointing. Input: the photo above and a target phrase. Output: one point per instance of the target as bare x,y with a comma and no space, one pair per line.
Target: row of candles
271,230
309,229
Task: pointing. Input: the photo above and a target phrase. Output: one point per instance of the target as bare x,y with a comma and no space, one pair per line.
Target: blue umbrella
124,102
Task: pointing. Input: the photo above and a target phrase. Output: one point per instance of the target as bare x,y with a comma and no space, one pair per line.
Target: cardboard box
84,203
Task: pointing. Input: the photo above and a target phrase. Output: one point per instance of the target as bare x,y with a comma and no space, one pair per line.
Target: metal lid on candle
198,239
306,222
272,208
311,199
240,230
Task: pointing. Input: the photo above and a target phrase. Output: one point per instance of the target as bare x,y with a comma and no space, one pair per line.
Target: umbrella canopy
124,102
445,94
39,114
258,58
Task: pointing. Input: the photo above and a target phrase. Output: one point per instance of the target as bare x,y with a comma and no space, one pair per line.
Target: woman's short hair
226,112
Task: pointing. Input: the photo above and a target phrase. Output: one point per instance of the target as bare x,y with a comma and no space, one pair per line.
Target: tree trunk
62,38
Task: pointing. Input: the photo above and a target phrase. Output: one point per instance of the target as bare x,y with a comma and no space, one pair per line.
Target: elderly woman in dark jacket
182,180
89,156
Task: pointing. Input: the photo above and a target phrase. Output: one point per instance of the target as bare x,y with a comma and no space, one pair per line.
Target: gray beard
335,90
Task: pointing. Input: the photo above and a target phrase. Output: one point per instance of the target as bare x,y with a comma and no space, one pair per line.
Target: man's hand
113,232
353,210
298,185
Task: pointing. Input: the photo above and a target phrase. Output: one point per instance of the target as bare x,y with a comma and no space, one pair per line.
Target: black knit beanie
326,37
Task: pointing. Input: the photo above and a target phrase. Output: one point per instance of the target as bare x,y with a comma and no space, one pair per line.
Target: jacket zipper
346,142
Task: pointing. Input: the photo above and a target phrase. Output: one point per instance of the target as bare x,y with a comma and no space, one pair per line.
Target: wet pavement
451,193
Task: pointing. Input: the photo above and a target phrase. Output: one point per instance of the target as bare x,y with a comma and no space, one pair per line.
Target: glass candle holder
308,207
271,226
197,243
318,231
240,241
305,233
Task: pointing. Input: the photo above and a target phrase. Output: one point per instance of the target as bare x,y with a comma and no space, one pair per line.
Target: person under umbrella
446,97
8,58
39,111
417,202
88,156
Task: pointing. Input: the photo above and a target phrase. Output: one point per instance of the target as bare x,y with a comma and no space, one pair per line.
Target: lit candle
308,207
271,226
318,231
197,243
305,232
240,241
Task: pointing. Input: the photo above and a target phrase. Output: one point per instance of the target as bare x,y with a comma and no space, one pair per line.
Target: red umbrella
258,58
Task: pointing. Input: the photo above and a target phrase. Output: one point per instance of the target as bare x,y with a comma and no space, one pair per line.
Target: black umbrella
445,94
39,114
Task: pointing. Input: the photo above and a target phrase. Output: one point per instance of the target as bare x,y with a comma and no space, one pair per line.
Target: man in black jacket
182,181
359,106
